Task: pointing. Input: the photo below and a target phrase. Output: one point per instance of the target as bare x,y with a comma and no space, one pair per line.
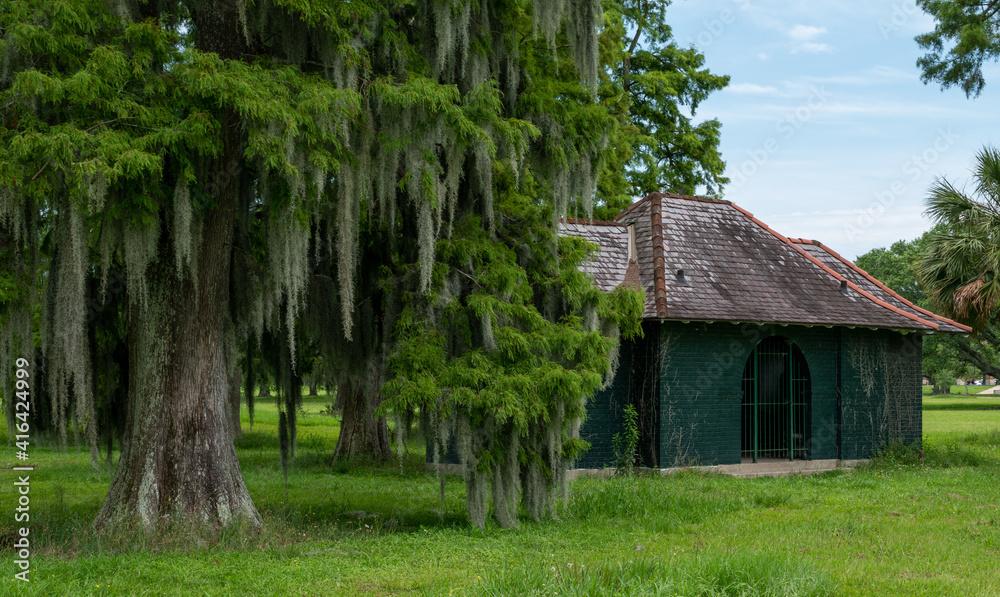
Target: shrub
626,442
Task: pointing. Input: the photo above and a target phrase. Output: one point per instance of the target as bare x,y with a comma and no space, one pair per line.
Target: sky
827,131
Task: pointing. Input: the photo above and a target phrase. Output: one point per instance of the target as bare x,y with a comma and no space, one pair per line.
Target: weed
626,442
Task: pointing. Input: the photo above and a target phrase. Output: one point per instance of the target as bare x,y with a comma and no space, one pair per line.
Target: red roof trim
835,275
876,282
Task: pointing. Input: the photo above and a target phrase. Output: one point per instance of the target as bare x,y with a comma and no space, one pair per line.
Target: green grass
956,389
902,526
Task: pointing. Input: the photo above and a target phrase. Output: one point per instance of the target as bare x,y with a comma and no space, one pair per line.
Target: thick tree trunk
362,434
178,461
313,390
234,402
338,402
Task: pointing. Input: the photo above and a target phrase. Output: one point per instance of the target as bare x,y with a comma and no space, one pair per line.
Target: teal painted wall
604,413
881,390
686,382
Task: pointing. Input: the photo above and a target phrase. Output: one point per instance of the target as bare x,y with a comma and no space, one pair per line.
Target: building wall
604,413
697,395
881,390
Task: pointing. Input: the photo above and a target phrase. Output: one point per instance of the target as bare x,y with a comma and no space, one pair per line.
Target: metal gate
776,396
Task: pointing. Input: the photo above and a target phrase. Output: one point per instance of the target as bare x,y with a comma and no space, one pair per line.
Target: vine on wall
884,373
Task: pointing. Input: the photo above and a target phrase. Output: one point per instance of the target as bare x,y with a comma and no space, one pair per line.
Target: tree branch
109,122
975,358
626,63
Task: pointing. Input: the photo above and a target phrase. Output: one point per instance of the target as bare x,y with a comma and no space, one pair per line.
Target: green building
756,348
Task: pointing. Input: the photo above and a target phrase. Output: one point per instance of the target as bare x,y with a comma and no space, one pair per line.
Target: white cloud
762,56
803,36
805,33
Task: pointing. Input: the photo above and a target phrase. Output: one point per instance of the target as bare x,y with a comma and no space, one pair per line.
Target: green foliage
625,442
966,35
895,267
945,357
390,174
510,379
659,86
961,269
896,454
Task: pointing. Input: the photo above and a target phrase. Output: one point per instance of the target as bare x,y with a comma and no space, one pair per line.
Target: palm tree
961,267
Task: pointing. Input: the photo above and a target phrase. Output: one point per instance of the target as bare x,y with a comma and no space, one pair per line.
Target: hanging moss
182,227
140,249
333,117
288,256
68,348
347,250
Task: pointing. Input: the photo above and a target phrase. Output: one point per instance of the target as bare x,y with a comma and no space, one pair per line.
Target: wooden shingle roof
703,259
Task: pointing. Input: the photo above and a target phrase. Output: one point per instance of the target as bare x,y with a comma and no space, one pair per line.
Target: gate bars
775,407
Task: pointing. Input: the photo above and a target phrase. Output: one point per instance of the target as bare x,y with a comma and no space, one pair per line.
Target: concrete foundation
748,469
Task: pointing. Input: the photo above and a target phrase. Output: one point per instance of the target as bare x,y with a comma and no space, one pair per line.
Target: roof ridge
589,222
632,207
831,272
660,195
875,281
700,198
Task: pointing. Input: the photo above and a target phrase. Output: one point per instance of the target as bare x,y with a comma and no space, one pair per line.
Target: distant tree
966,35
961,267
661,86
893,267
944,356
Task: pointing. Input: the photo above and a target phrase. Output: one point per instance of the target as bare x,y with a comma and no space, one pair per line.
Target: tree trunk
338,402
178,461
265,392
235,425
313,390
361,433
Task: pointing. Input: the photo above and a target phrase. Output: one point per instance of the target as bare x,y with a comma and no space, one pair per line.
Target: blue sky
827,131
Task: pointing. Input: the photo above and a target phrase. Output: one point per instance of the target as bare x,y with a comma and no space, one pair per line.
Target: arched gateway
776,399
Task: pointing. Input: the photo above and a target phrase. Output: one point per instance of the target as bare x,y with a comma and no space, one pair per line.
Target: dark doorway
776,397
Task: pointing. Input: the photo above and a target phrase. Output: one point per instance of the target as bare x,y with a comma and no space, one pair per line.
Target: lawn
957,389
900,527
